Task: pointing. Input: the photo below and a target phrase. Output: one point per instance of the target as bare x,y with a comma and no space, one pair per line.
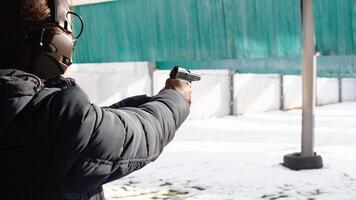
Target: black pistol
185,74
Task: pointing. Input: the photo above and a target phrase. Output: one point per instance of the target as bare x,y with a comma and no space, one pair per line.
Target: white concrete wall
292,92
327,91
210,96
83,2
348,89
256,93
107,83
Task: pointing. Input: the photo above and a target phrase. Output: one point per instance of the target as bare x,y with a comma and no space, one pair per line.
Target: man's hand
181,86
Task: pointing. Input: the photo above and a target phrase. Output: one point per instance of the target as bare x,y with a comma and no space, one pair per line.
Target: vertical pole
340,88
307,159
232,92
281,90
309,78
151,68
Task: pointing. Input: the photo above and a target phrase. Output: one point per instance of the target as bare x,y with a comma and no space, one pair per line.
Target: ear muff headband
59,14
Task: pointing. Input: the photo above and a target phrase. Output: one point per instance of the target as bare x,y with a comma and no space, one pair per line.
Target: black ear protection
54,43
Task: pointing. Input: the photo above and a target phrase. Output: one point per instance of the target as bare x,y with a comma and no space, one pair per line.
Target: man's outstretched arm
105,144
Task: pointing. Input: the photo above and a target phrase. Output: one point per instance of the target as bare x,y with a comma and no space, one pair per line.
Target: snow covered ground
233,158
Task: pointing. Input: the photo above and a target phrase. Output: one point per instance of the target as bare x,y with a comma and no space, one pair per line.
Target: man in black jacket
55,144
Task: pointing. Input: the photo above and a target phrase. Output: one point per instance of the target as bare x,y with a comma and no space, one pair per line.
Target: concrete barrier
211,95
327,91
84,2
256,93
292,92
107,83
348,89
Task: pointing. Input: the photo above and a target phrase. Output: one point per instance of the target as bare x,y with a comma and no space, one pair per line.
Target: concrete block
348,89
292,92
84,2
327,91
256,93
108,83
211,95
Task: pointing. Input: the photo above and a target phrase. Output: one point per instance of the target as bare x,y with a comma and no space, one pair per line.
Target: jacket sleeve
134,101
99,145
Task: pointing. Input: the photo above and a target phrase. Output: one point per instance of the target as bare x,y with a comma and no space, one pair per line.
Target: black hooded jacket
55,144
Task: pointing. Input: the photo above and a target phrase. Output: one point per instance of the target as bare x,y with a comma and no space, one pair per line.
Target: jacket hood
16,90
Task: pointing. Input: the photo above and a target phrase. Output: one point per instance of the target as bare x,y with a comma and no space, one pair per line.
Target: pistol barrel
185,74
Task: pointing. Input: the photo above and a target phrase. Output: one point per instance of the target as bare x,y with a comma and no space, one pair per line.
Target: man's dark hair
23,12
15,17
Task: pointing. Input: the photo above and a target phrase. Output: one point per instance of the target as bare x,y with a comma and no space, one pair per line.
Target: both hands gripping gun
184,74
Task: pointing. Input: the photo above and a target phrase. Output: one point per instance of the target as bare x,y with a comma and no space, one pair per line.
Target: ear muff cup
50,48
54,54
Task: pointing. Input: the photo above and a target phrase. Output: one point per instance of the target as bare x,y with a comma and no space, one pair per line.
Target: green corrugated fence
335,26
260,36
158,30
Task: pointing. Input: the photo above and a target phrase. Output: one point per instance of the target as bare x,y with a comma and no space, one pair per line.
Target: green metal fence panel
335,26
259,36
335,30
198,30
254,65
327,66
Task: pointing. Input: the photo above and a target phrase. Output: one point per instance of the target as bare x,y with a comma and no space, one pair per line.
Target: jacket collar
15,83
